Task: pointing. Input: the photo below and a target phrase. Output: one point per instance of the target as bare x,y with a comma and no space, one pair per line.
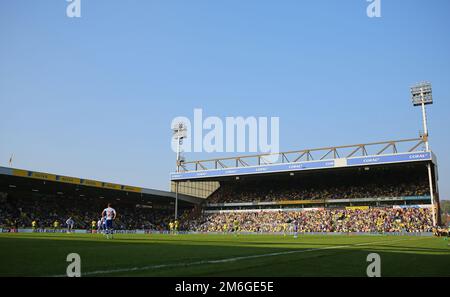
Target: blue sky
94,97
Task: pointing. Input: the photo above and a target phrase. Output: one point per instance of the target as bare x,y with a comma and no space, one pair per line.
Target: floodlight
179,130
421,93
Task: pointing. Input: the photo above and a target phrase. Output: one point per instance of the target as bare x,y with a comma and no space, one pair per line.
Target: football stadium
318,212
330,170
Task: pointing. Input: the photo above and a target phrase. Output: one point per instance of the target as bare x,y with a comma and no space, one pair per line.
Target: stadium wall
200,189
308,209
82,231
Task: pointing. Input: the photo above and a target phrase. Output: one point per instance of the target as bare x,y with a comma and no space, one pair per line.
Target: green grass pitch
222,255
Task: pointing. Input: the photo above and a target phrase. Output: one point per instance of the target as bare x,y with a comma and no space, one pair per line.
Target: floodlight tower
179,133
421,95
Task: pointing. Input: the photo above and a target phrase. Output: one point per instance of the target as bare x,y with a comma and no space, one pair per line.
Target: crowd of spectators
20,212
321,220
267,192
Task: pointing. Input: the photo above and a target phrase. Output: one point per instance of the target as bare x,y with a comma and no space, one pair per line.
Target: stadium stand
27,196
19,212
334,191
264,192
322,220
373,195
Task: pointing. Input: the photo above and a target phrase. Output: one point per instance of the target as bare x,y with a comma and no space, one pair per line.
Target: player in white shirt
110,214
100,225
104,224
70,223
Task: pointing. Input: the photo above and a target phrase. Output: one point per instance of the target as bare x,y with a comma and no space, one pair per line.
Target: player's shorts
109,224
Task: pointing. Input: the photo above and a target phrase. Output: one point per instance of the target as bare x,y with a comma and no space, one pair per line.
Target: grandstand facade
376,187
201,189
27,196
398,174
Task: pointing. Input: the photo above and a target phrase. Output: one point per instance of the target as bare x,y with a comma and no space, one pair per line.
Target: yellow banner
356,207
18,172
70,180
46,176
112,186
74,180
132,189
302,201
92,183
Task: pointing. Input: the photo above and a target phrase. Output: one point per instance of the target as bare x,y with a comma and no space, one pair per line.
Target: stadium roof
368,154
13,176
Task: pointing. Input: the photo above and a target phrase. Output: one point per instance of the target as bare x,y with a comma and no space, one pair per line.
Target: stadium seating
324,220
265,192
19,212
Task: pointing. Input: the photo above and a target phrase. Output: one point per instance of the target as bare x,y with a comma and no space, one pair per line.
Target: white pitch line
226,260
